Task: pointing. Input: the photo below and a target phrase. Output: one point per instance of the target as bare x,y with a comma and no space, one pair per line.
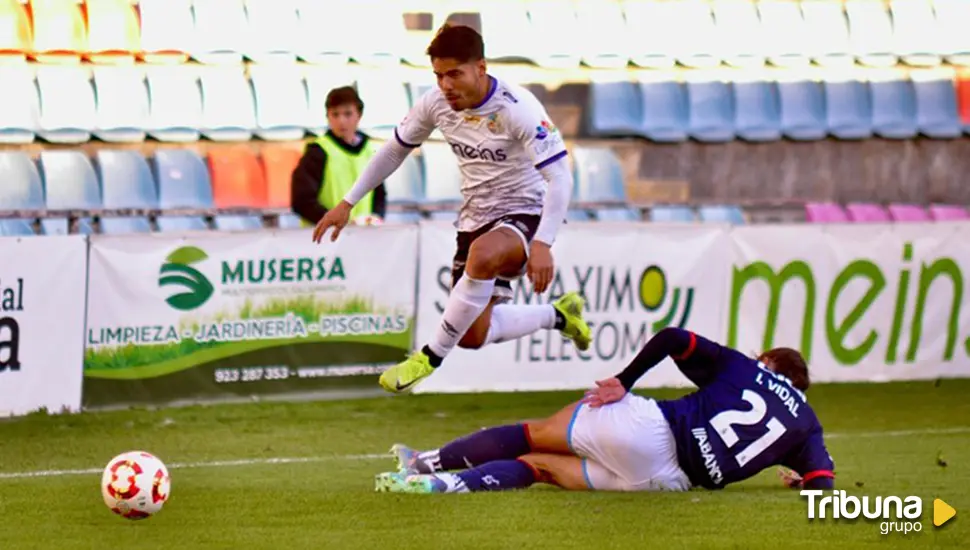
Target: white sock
510,321
467,301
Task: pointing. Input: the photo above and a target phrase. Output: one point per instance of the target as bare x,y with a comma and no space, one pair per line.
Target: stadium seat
281,101
599,178
697,38
816,212
908,213
866,213
951,19
272,36
665,115
175,106
871,33
721,214
60,35
757,113
228,107
442,177
67,109
16,33
319,81
278,163
828,33
383,37
20,108
221,31
787,40
237,181
894,108
385,102
936,109
610,45
322,38
167,31
653,32
802,110
556,22
915,32
615,109
848,109
122,104
508,31
21,189
711,111
398,218
405,185
69,183
739,33
114,35
126,182
672,214
963,101
947,212
183,182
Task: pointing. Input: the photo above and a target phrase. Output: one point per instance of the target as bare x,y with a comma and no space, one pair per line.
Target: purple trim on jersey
551,159
492,86
404,143
569,428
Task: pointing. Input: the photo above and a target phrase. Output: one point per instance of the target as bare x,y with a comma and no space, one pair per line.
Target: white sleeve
418,123
560,179
388,158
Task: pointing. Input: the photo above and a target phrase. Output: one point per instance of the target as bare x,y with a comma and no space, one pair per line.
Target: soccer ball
135,485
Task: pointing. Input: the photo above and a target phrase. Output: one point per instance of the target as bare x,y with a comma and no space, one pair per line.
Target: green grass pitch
887,439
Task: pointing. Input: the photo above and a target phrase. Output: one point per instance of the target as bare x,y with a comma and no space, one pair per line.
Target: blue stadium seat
183,182
281,101
802,110
936,109
442,177
69,183
402,217
290,221
67,109
126,182
21,189
721,214
599,177
665,113
757,111
848,109
122,104
894,109
175,103
615,109
575,215
228,106
20,108
672,214
711,112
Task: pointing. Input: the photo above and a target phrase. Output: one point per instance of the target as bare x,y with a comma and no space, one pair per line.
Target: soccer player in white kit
516,187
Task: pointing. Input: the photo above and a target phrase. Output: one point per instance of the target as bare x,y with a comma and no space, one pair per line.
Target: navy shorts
525,225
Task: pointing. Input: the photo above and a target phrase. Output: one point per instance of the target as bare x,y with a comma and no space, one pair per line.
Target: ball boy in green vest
331,164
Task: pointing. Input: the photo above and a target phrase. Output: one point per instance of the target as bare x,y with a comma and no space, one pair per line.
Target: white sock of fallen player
512,321
465,303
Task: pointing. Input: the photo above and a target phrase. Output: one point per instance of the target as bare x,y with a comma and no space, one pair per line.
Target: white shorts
626,446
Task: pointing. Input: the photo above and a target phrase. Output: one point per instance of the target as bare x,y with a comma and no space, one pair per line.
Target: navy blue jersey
743,419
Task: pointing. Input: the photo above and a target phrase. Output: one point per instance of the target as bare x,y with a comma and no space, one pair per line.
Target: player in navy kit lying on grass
747,415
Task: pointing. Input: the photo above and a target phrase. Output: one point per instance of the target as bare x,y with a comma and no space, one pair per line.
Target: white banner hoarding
42,287
637,279
862,302
211,314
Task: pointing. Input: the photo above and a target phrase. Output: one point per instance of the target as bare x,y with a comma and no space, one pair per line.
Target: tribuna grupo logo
897,514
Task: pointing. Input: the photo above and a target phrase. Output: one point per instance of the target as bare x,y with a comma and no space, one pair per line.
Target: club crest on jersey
493,124
545,129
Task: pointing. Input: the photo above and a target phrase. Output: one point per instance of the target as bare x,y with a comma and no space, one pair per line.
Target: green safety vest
340,174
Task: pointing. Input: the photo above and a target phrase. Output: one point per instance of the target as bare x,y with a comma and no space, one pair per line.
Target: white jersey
500,145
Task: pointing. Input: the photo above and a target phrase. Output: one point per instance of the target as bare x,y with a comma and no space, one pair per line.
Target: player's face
343,120
461,83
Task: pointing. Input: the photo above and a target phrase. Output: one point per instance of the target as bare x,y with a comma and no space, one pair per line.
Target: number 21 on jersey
725,421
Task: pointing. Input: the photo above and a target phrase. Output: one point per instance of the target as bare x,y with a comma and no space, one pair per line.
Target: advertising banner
867,302
637,279
187,317
42,291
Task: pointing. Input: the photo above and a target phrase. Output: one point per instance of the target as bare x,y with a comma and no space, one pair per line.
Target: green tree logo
177,271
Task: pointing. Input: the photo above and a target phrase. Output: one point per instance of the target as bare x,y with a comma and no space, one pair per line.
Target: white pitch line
308,459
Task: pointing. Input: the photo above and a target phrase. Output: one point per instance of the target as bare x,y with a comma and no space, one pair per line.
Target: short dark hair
344,95
459,42
788,363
